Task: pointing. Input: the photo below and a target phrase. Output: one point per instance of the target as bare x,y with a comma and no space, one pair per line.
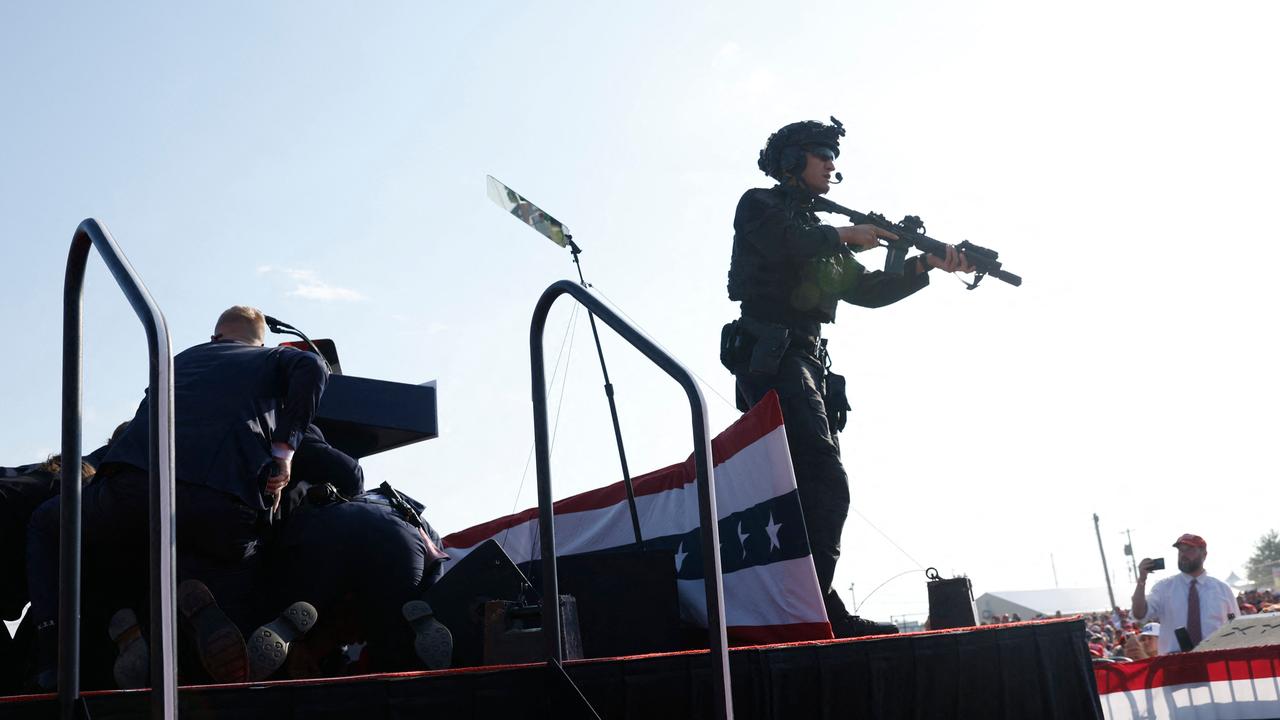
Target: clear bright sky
326,162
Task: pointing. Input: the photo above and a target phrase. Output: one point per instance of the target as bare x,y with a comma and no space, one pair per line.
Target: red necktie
1193,614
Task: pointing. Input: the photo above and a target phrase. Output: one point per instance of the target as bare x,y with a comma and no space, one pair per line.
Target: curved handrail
164,677
702,464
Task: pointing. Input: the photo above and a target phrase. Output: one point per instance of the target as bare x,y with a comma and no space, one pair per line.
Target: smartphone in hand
1157,564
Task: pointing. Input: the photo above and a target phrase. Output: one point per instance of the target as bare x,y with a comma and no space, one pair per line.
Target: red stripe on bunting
772,634
761,420
1189,669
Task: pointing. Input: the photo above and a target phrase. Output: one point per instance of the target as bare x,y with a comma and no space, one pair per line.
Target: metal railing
164,676
702,464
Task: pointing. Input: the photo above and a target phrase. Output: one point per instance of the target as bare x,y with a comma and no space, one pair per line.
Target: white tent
1029,603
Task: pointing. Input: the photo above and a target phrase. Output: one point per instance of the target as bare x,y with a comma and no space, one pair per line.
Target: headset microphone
839,179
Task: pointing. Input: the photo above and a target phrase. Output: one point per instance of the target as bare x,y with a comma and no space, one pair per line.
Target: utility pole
1105,572
1055,570
853,600
1133,557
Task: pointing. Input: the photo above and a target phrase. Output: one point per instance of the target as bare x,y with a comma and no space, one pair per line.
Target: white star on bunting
680,556
772,528
742,538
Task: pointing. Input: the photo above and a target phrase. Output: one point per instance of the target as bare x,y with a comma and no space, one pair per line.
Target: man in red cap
1191,599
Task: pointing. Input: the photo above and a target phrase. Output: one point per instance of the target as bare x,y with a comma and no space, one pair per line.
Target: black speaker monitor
458,597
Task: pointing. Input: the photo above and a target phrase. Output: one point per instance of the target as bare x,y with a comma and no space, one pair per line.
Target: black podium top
361,416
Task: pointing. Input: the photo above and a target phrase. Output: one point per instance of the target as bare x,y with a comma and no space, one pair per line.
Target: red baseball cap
1192,540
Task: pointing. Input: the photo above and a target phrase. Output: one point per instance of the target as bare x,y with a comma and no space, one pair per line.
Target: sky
326,162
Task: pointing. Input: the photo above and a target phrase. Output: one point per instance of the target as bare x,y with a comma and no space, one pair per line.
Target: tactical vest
788,290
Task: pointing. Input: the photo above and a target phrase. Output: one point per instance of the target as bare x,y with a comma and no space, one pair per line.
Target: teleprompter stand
558,233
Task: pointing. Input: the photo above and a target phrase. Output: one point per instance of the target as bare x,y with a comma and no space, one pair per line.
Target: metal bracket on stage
568,689
702,463
164,676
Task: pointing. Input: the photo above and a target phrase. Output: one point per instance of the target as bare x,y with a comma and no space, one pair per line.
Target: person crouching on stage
362,562
240,411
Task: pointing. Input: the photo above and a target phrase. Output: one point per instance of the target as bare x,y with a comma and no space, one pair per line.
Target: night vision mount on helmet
783,153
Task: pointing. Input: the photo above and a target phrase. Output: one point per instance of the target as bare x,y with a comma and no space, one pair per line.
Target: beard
1190,566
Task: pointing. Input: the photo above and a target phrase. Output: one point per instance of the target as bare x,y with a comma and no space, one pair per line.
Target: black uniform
790,272
317,463
367,552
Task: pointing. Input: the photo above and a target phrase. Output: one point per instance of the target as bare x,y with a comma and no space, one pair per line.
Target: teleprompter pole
613,406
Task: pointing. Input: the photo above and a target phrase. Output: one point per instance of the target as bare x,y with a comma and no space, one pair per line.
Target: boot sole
432,640
218,641
132,668
269,644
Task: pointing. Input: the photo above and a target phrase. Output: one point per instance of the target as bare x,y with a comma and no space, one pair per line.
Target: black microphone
839,179
275,325
283,328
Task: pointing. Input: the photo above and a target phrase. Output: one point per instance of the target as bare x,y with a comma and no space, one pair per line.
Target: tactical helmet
783,154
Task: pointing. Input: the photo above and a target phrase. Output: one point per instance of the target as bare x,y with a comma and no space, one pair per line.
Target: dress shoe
432,642
269,644
133,662
218,641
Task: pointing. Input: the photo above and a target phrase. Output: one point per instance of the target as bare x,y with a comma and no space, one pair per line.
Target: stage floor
1021,671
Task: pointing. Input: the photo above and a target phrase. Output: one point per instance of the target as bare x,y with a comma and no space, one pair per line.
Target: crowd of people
1258,601
1116,635
1189,600
275,529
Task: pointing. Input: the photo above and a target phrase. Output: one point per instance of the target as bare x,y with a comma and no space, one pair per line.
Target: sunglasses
821,152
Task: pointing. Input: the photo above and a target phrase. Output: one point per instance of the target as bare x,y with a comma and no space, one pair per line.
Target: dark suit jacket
231,401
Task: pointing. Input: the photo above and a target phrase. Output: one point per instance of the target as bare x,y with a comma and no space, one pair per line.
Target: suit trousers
218,540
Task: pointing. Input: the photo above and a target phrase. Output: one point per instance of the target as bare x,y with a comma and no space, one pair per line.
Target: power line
568,333
885,535
726,401
633,321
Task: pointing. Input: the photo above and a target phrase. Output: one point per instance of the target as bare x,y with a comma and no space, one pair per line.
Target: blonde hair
242,321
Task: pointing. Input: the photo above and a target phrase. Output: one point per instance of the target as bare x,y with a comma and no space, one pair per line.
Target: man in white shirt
1190,599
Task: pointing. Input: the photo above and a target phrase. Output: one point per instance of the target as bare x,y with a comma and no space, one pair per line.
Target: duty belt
801,339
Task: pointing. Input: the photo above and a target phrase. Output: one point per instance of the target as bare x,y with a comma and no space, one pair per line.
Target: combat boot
852,626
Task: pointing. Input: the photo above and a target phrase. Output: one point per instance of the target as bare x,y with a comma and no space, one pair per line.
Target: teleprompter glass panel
527,212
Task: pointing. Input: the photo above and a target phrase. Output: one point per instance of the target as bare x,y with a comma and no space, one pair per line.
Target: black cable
702,380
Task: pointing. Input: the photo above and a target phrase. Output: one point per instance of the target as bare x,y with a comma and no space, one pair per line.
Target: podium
363,416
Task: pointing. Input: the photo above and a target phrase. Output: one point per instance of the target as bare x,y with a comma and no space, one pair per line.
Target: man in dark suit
240,412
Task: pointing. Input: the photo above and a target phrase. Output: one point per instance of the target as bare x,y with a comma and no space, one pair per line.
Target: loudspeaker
627,601
951,603
459,596
1245,631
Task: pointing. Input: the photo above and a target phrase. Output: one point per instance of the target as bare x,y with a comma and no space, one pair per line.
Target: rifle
910,234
